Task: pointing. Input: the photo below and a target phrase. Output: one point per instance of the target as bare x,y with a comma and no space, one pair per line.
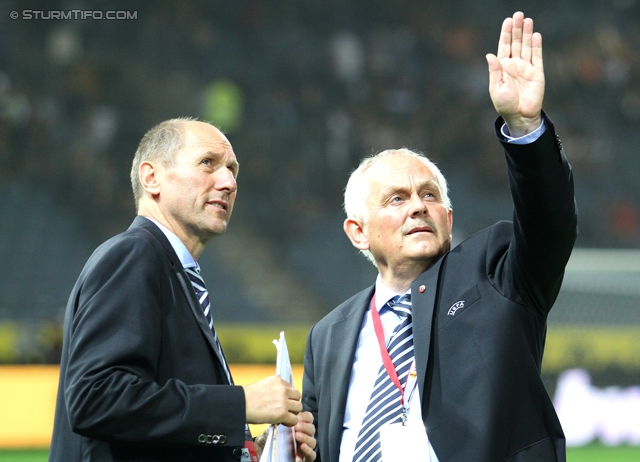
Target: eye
206,161
396,199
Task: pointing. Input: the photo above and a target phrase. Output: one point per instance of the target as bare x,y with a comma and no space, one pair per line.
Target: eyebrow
390,189
219,155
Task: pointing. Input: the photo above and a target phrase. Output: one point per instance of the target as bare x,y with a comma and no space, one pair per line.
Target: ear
148,175
355,232
450,220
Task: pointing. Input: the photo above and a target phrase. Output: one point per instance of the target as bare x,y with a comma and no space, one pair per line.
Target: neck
399,281
193,245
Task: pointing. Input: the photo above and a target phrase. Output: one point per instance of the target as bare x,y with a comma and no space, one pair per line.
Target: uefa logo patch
455,307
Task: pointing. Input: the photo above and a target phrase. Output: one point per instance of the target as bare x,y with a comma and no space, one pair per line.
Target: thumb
495,70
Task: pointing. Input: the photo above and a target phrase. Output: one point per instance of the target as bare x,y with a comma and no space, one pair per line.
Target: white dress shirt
366,365
180,249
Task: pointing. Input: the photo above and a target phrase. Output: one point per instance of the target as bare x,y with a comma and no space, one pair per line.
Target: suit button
223,439
237,453
215,439
202,438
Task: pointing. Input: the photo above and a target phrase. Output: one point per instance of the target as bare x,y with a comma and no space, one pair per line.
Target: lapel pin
422,288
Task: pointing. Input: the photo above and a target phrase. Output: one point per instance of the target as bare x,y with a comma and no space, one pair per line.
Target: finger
536,51
504,42
304,439
305,416
294,394
294,407
305,453
516,35
527,32
495,70
305,428
289,420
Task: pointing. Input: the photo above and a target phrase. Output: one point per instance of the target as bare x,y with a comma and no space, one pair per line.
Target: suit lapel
423,298
183,279
344,339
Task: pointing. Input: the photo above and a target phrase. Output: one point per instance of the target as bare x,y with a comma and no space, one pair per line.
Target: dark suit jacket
140,378
479,328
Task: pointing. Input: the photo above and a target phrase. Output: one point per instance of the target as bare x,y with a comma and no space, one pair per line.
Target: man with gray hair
143,375
440,359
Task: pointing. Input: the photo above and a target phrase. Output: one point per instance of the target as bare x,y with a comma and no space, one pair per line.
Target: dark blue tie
384,405
203,297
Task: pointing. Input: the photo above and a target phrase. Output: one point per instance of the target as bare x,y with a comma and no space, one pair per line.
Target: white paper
267,452
281,441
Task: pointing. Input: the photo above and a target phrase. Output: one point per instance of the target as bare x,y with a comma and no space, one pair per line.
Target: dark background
304,90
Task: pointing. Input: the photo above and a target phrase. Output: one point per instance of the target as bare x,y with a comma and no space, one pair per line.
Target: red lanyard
386,358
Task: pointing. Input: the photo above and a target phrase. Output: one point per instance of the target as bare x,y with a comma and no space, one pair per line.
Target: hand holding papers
281,440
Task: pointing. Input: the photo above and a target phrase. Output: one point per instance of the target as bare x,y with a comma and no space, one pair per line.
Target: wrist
521,126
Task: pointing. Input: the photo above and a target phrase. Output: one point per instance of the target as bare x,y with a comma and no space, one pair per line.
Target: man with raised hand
439,360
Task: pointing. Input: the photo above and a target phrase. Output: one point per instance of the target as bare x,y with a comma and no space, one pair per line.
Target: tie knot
401,305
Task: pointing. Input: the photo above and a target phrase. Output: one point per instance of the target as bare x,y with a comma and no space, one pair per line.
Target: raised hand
516,75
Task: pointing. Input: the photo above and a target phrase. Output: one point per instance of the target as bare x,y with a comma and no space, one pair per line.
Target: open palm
516,75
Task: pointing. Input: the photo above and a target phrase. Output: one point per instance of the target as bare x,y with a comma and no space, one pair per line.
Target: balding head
161,143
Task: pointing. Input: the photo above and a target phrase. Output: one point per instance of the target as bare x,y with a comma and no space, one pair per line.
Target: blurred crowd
305,89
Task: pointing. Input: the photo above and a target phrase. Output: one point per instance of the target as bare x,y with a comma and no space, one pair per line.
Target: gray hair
358,190
161,142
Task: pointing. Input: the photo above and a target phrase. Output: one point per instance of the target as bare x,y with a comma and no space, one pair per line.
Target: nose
226,181
418,206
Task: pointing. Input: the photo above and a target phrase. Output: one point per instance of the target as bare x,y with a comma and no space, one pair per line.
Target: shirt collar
384,294
178,246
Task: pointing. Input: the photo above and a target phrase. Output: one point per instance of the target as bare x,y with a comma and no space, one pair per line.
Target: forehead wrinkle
215,148
394,174
406,180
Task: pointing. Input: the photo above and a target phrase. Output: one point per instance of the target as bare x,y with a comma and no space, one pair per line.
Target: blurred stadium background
304,89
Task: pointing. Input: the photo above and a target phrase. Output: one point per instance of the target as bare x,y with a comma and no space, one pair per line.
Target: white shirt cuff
526,139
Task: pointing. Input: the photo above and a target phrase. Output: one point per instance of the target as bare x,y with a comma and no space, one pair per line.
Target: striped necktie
203,297
384,404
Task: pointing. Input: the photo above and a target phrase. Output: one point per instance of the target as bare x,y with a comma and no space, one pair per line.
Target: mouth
220,204
420,229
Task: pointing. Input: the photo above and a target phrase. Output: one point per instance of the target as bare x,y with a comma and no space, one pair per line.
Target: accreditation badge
249,453
404,442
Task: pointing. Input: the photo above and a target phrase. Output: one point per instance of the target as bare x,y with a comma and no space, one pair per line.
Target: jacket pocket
541,451
456,307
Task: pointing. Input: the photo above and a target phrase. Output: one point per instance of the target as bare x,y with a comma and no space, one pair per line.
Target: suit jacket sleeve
544,221
111,385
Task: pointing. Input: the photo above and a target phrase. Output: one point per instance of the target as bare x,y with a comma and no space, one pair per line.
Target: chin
218,229
431,253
